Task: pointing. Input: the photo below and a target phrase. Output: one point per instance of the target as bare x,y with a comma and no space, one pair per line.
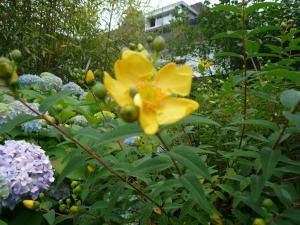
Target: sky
161,3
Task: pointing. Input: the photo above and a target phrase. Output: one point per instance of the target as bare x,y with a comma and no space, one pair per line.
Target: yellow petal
173,79
133,68
148,121
117,90
174,109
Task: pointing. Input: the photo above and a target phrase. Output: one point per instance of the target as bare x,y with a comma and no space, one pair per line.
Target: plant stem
168,149
95,156
245,106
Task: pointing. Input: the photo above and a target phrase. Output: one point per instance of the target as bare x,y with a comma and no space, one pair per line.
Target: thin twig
95,156
168,149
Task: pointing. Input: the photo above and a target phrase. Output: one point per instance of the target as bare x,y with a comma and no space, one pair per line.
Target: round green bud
149,39
36,204
129,113
78,202
268,203
62,208
159,44
74,209
132,46
6,68
42,195
74,183
60,202
77,189
132,92
68,201
15,55
58,107
99,90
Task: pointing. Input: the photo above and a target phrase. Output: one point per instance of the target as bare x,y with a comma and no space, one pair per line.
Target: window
152,22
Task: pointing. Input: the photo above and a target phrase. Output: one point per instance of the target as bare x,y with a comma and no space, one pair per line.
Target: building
162,17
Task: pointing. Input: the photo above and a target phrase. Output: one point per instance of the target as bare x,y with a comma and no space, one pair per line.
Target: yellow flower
90,168
204,63
89,77
155,90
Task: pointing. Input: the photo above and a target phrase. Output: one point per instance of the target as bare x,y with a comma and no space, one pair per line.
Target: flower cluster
29,81
17,108
79,120
76,90
26,170
50,82
4,110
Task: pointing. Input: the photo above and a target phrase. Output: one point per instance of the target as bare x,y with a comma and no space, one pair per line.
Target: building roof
170,8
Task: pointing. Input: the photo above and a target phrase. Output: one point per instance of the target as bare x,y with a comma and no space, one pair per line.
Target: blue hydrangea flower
17,108
4,110
79,120
50,82
29,80
26,170
76,90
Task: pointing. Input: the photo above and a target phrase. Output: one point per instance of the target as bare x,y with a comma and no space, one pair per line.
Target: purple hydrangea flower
26,170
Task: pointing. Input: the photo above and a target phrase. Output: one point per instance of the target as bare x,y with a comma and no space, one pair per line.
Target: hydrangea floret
50,82
155,91
79,120
29,81
26,169
76,90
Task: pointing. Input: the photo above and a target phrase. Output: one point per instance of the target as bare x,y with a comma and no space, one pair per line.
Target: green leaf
252,47
269,159
263,29
247,154
145,213
76,158
292,214
290,98
50,101
229,54
127,130
188,158
227,8
259,5
259,123
2,222
283,73
192,184
295,119
50,217
156,164
230,34
197,119
256,185
11,124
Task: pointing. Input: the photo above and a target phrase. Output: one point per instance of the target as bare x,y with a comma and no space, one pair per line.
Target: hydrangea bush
26,170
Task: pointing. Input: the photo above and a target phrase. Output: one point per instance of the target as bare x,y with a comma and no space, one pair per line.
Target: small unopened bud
159,44
15,55
129,113
99,90
62,208
74,183
149,39
28,204
89,77
74,209
140,47
6,68
90,168
132,92
132,46
157,210
259,221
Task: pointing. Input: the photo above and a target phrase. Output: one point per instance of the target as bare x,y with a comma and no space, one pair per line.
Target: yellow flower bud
74,209
157,210
89,77
90,168
49,118
28,204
